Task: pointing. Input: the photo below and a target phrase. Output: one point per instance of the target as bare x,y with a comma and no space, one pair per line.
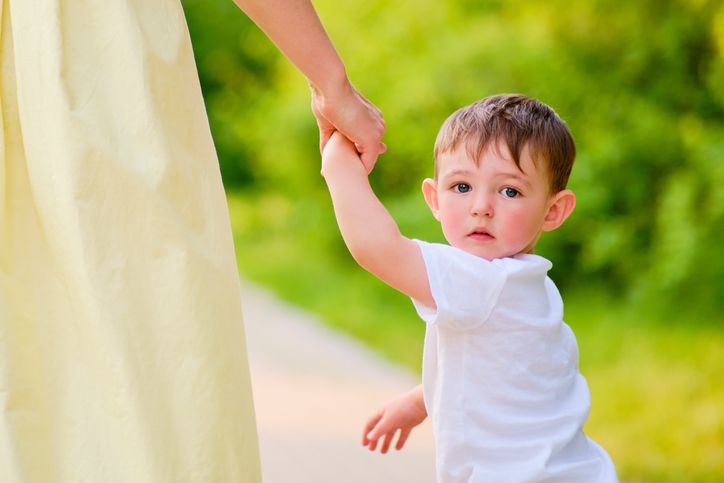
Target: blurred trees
641,84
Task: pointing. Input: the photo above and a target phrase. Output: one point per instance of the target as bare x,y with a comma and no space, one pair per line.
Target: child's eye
509,192
462,187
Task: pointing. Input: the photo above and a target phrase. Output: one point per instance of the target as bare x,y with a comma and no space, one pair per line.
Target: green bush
639,83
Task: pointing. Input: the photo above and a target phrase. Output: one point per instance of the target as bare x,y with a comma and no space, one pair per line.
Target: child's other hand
403,414
339,150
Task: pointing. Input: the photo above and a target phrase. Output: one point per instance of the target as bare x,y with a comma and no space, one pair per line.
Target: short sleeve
465,287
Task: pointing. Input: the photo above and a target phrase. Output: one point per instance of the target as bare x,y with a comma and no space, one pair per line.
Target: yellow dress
122,352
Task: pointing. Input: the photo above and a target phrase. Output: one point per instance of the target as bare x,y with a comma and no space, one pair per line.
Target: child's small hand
339,150
403,413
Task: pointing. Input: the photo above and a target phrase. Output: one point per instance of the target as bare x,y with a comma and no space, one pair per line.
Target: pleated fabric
122,351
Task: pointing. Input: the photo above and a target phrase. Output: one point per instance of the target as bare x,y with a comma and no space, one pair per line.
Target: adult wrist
333,85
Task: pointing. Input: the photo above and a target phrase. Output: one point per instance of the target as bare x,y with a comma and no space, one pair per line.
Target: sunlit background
640,262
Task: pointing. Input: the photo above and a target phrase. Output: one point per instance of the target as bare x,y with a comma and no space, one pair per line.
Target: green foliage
655,384
640,83
238,69
655,390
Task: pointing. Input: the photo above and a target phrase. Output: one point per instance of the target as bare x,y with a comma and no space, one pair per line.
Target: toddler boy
500,367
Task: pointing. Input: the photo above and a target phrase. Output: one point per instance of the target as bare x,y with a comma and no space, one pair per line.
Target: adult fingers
369,157
356,118
368,160
324,135
326,129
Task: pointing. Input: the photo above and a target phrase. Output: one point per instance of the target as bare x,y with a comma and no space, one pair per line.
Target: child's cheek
520,226
452,219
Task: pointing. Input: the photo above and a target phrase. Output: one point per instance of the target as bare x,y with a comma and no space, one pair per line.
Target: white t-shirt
500,374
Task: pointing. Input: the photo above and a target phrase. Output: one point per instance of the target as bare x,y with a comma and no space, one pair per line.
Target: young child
500,367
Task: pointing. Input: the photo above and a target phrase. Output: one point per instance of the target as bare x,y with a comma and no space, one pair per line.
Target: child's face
490,209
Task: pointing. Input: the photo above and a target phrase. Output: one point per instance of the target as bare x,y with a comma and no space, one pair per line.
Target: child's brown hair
518,121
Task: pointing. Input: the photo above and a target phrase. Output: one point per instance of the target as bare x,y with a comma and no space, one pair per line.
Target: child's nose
482,205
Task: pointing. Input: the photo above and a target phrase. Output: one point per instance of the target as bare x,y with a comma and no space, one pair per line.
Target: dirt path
313,390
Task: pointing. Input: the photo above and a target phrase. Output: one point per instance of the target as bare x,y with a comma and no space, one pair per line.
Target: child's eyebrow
504,174
457,172
516,177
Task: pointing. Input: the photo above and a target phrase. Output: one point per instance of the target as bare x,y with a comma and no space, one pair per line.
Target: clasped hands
345,110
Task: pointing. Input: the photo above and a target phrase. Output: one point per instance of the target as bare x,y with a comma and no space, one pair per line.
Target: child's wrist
340,159
342,168
419,399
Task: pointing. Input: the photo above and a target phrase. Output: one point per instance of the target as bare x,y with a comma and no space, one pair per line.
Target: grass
658,399
656,384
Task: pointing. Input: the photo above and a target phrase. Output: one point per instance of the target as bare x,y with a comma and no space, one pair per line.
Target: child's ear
560,207
429,191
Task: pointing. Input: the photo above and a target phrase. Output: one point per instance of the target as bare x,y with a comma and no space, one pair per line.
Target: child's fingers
385,425
368,435
404,434
387,441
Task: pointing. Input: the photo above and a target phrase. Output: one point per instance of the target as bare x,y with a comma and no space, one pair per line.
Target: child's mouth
480,235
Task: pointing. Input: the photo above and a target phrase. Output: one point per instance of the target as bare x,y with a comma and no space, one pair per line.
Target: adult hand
293,25
349,112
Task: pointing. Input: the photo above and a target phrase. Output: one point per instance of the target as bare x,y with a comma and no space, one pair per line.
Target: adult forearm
295,28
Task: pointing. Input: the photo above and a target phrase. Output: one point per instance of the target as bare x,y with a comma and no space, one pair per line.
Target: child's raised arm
371,235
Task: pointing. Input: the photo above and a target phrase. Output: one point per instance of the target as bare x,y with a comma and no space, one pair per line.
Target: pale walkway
314,389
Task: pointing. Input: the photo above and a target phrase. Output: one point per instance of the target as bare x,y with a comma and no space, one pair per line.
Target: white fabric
500,374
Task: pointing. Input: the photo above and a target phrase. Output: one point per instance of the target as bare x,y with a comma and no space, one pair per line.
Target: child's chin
482,252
